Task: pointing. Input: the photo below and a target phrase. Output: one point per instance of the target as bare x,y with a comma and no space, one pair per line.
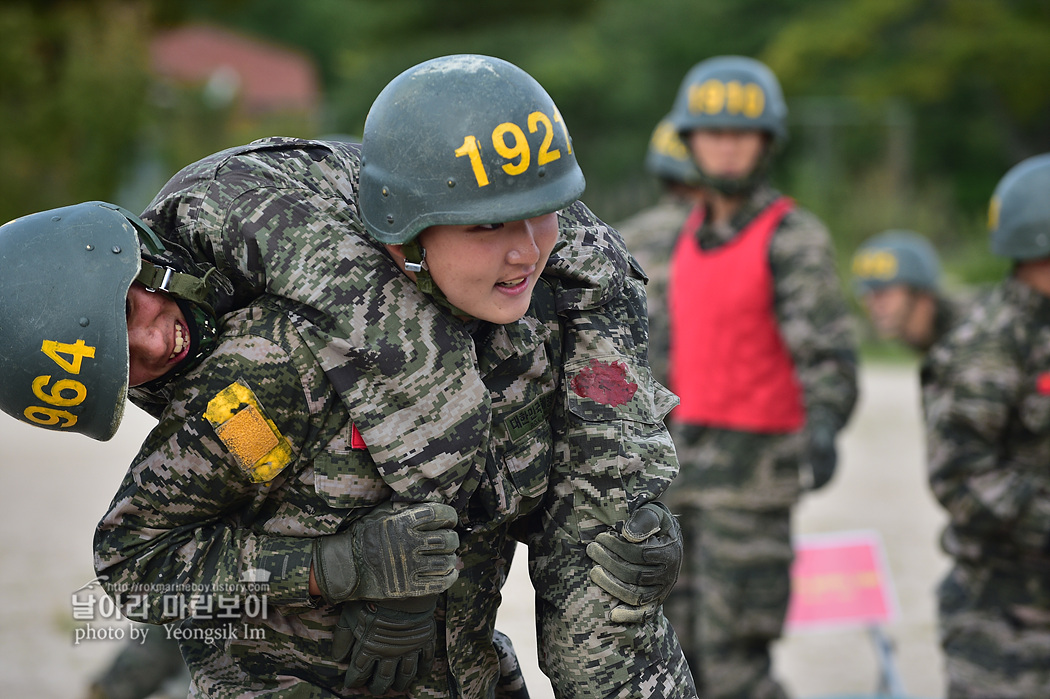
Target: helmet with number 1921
463,140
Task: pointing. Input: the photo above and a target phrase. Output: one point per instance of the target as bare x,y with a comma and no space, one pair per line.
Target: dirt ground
56,487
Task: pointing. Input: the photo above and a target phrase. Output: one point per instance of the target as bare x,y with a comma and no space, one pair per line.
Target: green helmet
668,158
64,279
1019,213
461,140
731,92
896,257
63,333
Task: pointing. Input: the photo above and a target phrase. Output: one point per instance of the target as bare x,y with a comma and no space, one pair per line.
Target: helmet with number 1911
731,92
462,140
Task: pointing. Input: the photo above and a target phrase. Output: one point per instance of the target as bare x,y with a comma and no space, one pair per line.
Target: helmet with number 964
64,279
461,140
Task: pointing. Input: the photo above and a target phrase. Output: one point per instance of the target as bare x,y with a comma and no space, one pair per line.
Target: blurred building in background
258,78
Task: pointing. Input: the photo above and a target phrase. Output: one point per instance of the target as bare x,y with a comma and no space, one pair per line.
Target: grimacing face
490,270
158,336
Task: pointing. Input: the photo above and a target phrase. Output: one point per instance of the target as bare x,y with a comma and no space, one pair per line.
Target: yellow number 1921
508,139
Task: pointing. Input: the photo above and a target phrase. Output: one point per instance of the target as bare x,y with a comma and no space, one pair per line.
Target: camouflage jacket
559,411
810,307
986,396
950,312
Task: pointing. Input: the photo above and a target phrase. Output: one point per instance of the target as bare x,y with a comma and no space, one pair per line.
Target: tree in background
903,112
975,76
74,87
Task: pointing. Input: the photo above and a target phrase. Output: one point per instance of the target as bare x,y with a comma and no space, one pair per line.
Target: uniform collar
520,338
711,236
1032,303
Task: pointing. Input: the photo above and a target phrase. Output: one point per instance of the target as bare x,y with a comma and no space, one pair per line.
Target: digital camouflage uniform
736,489
556,415
646,235
949,311
986,395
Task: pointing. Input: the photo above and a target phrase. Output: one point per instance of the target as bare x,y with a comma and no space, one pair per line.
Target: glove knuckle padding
638,570
645,522
411,552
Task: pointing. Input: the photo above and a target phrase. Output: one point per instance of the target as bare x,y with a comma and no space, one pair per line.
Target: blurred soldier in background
668,160
646,232
897,276
762,354
986,395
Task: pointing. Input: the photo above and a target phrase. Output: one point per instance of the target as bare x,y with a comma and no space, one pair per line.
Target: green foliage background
904,113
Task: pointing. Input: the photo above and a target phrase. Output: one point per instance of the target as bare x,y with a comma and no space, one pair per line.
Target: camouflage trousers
731,598
995,633
733,499
238,685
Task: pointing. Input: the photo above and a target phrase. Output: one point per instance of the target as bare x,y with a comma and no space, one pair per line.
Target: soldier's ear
398,255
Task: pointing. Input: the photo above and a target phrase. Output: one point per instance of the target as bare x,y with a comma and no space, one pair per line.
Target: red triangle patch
356,440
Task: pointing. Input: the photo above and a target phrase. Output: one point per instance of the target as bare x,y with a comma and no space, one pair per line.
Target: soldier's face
889,308
158,337
489,271
728,153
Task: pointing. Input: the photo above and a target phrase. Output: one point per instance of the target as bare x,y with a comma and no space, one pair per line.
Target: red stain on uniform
605,383
356,440
1042,384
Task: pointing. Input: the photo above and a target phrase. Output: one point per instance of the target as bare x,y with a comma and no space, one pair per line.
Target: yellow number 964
64,393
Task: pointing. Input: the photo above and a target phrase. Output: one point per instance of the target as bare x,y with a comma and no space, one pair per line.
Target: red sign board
840,579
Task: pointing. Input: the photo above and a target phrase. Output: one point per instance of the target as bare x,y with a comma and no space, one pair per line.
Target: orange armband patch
251,438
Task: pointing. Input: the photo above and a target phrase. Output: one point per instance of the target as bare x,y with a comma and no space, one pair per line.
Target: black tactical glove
821,455
388,644
640,565
393,552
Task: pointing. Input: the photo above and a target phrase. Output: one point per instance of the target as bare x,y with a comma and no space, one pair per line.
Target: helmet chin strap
415,262
179,284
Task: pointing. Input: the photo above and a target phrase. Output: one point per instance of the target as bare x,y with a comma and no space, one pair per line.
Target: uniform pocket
528,466
611,389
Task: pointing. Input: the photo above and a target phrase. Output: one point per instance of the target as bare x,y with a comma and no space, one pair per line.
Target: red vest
728,362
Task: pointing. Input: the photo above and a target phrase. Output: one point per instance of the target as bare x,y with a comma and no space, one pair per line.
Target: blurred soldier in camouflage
986,394
896,275
667,158
645,233
453,374
761,352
